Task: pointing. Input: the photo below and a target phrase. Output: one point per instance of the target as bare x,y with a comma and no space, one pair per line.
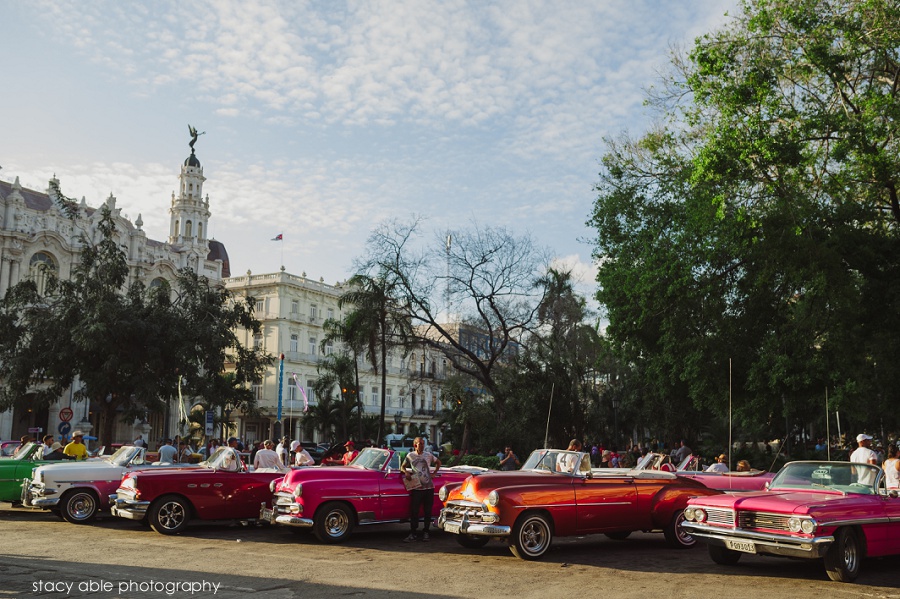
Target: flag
277,237
302,392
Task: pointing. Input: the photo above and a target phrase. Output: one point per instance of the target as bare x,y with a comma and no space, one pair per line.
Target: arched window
41,267
176,228
157,282
188,228
199,230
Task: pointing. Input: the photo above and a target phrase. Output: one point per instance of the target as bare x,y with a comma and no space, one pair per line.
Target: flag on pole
277,237
302,392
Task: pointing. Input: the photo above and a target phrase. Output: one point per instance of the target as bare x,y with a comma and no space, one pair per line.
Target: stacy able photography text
126,586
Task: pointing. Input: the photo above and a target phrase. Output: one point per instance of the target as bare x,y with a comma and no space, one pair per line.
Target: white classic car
76,491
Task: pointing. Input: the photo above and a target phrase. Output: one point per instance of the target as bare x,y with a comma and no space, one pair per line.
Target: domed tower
189,210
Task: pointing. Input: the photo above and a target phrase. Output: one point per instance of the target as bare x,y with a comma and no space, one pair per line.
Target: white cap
295,445
863,437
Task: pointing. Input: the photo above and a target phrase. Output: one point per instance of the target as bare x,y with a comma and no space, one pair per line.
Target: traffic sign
64,428
35,429
65,414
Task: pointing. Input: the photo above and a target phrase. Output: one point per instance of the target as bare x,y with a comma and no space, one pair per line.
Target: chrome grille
719,516
282,502
457,511
763,520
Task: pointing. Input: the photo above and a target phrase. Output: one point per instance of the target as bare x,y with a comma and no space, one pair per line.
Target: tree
375,323
338,371
126,344
755,231
485,277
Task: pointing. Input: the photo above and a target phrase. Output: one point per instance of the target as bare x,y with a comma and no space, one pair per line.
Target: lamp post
615,406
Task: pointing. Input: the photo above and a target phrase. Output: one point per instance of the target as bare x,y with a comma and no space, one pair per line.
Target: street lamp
615,406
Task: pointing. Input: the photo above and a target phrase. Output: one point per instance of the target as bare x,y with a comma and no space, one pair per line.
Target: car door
605,503
245,491
394,498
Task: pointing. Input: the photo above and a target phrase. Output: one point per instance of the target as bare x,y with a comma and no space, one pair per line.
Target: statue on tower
194,136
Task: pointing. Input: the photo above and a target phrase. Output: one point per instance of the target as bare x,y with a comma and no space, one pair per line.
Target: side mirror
766,486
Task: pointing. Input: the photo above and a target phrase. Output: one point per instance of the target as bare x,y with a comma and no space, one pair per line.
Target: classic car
838,511
8,448
751,480
221,488
76,491
14,470
557,494
332,501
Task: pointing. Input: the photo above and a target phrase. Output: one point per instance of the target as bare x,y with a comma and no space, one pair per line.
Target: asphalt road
41,556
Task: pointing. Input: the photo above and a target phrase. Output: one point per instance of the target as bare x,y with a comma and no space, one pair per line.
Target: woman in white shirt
892,468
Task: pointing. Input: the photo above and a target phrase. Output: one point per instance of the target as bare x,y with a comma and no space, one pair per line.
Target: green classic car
17,468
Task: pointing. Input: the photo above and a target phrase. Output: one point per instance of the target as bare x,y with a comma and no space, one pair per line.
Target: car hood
783,502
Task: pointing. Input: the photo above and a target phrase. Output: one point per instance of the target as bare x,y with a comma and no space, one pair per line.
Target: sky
324,118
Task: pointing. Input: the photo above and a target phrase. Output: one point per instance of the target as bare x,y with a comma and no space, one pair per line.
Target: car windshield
555,460
845,477
225,458
125,454
371,458
25,452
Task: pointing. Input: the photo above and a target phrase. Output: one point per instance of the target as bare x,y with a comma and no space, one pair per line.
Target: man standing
419,461
267,458
863,454
509,461
76,448
282,450
168,453
48,445
139,442
301,456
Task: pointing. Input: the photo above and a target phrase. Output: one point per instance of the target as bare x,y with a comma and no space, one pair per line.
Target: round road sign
64,428
65,414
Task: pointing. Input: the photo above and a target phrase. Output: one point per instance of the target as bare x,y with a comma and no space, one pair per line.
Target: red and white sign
65,414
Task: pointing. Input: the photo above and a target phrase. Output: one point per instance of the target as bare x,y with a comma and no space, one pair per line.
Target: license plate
266,514
745,546
451,527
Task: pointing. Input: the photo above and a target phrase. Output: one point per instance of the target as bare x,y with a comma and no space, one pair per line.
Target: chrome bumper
464,527
765,543
272,516
33,495
131,509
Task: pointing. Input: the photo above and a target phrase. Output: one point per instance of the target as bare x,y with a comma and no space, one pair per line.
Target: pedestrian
185,453
167,453
418,463
892,468
76,448
681,453
302,457
48,445
864,455
568,462
267,457
509,461
720,465
282,450
139,442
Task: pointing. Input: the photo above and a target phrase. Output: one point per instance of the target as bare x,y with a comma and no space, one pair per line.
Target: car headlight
298,491
689,514
794,524
808,526
129,483
493,499
700,514
273,484
443,493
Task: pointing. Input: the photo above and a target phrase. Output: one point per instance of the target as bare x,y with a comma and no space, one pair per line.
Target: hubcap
684,537
534,537
336,523
81,506
171,515
850,555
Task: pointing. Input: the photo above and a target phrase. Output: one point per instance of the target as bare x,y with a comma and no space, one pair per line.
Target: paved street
235,561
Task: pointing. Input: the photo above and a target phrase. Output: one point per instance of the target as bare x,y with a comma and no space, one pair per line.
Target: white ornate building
36,235
292,310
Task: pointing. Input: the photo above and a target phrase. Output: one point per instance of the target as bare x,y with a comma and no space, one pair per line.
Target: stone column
4,275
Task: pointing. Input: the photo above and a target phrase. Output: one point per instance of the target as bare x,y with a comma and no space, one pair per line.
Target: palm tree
339,370
340,330
377,323
323,416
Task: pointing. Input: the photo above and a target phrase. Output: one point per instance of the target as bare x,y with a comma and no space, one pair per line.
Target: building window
313,312
293,394
310,390
260,305
412,401
312,346
188,228
257,392
295,343
374,396
330,313
41,267
257,341
199,230
295,308
387,398
329,347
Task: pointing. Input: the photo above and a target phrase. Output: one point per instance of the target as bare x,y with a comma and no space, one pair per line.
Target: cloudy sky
324,118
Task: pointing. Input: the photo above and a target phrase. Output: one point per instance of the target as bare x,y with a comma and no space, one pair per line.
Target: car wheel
618,536
169,515
472,541
843,559
675,533
79,506
333,523
531,537
724,557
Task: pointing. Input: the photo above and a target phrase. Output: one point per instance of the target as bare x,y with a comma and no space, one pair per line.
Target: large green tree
129,346
751,238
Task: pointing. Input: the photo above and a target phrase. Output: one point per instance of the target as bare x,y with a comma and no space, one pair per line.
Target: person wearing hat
348,456
720,465
76,449
301,456
56,452
864,455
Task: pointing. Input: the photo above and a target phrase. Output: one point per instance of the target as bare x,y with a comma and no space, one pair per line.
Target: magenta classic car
838,511
222,488
333,500
734,482
557,494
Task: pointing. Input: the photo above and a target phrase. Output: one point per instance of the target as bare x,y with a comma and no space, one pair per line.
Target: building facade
38,236
293,310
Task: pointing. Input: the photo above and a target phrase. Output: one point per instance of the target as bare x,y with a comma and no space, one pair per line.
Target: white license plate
266,514
451,527
745,546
